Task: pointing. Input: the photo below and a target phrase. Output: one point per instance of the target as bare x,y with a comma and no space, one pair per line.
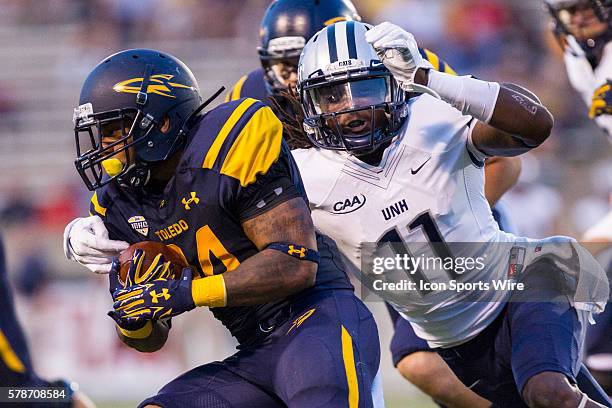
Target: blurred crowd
565,184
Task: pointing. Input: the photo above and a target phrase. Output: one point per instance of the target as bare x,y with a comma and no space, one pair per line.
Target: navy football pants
325,355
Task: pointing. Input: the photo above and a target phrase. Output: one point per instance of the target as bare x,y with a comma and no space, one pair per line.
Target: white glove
86,242
398,50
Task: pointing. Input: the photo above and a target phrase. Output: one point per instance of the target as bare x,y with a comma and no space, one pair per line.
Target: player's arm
501,174
518,122
272,274
510,121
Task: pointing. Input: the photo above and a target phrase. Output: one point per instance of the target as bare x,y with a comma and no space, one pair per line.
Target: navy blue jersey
235,167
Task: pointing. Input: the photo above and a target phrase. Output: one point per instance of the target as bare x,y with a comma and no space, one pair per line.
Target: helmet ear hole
165,125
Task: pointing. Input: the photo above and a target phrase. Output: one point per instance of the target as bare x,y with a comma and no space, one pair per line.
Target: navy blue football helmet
147,95
286,27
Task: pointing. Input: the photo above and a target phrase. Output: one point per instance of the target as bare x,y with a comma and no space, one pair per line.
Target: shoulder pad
251,85
100,201
239,139
438,64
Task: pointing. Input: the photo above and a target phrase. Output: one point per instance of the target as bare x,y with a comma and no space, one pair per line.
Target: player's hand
398,50
86,241
136,275
157,299
601,104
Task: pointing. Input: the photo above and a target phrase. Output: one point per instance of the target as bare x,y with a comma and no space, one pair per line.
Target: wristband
469,95
297,251
142,333
209,291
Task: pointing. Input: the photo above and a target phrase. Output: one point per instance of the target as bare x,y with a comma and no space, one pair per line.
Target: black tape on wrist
297,251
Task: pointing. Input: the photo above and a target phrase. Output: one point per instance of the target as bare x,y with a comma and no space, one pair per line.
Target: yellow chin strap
112,167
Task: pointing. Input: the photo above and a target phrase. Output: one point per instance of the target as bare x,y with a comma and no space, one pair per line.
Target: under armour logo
155,295
194,199
301,252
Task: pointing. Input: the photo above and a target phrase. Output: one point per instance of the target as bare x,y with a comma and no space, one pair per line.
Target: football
151,249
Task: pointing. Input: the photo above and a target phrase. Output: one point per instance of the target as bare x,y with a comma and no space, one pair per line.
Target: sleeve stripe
238,88
449,70
433,59
256,148
96,205
9,357
213,152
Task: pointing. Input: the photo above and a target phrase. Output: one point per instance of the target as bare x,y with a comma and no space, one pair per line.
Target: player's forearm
501,174
268,276
511,120
153,341
522,117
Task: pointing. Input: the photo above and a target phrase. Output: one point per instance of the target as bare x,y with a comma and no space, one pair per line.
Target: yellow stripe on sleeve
449,70
99,209
213,152
237,88
433,59
256,148
349,368
11,360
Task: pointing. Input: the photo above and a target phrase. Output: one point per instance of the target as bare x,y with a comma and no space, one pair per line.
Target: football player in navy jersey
16,370
286,26
222,189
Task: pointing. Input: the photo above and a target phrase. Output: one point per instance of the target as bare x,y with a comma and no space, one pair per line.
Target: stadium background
48,46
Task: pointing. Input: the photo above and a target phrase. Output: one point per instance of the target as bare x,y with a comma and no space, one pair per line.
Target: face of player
112,134
357,98
285,71
581,20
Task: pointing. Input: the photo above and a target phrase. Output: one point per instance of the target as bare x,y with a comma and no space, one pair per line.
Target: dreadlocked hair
287,106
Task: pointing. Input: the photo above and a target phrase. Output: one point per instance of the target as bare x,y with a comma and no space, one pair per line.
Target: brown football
151,249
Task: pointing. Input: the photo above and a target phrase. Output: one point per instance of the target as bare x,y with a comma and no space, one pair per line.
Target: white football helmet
350,99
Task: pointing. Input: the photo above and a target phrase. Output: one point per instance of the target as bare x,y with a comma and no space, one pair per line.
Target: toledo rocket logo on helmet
160,85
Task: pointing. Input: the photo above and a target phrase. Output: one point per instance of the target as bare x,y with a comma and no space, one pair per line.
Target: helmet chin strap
418,88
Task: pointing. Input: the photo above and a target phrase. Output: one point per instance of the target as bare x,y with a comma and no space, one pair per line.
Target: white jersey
430,175
586,80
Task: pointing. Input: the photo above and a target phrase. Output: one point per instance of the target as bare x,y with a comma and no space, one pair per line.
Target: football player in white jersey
387,170
583,29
